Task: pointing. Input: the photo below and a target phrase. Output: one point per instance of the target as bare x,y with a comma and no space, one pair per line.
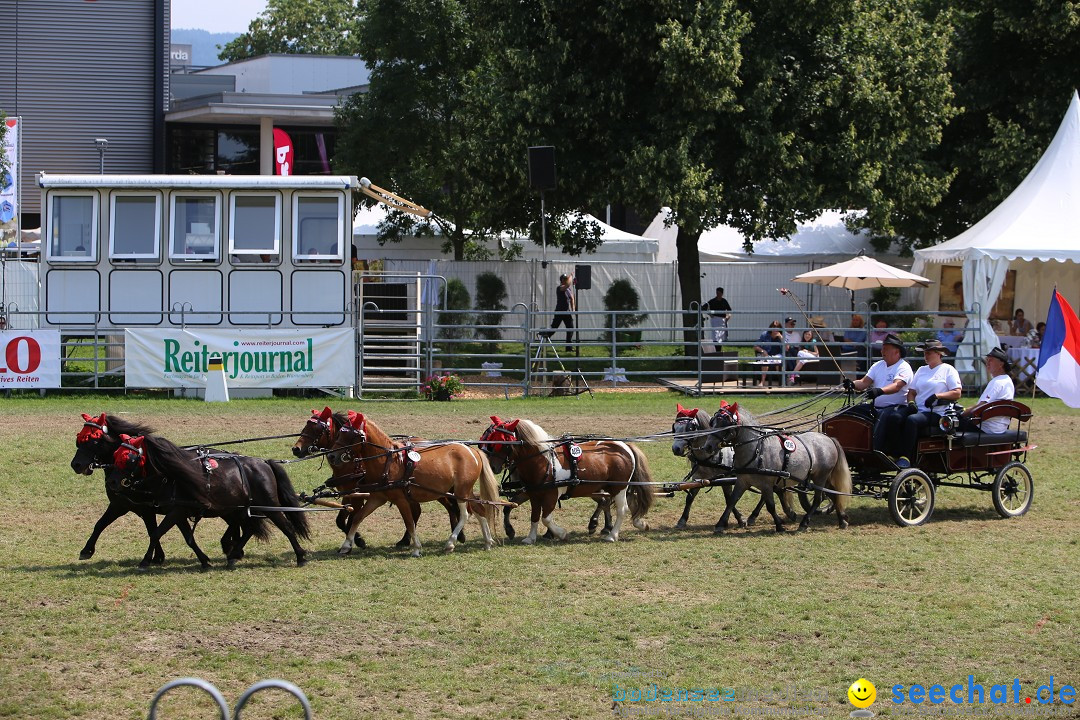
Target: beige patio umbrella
859,273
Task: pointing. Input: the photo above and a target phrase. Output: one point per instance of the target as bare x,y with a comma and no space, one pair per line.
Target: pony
318,436
95,445
769,459
691,430
222,485
597,468
367,461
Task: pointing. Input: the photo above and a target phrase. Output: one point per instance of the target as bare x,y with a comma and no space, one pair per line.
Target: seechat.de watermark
973,693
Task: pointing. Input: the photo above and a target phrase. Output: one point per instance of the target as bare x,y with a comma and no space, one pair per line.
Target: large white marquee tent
1035,231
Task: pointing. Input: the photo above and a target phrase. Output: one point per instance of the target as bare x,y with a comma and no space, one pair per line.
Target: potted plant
441,387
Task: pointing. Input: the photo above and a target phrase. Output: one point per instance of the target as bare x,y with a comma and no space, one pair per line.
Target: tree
741,112
1014,72
622,297
490,300
318,27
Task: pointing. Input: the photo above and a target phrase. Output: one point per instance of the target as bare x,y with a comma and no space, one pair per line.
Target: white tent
618,245
1037,223
825,238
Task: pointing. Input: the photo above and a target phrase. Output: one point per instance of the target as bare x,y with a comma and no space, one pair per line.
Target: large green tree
742,112
321,27
1014,70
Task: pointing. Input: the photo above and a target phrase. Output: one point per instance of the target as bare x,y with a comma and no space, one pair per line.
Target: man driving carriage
934,386
884,383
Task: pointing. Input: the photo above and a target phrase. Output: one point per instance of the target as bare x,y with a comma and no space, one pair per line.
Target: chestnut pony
319,434
367,460
604,468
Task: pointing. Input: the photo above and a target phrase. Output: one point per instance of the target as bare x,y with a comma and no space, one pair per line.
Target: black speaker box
542,167
583,277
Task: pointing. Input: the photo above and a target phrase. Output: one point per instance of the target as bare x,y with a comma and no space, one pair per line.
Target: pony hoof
610,538
403,542
450,547
681,525
205,567
415,553
781,529
301,562
344,551
230,565
143,567
528,540
843,524
792,517
488,546
86,554
158,560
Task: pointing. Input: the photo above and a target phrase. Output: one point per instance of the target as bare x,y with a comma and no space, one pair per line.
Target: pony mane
533,435
118,426
177,464
340,421
376,435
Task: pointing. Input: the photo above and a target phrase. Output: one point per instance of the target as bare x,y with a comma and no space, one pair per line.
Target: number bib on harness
414,456
575,450
789,445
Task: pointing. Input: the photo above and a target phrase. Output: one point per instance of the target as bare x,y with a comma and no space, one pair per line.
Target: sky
216,15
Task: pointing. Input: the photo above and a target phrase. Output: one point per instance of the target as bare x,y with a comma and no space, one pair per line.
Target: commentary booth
122,251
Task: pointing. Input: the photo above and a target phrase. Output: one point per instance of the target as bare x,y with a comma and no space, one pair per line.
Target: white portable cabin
162,250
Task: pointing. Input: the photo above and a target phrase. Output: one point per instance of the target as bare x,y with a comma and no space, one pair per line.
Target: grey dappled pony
707,465
814,458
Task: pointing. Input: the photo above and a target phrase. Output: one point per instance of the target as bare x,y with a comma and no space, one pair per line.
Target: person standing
719,311
565,305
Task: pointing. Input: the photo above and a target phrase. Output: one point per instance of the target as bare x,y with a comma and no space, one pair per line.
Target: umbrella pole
802,309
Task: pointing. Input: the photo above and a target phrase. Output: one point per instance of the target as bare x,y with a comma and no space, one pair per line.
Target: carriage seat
999,408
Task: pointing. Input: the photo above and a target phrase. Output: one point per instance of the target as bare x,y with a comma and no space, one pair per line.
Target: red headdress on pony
130,454
500,432
326,417
682,412
94,428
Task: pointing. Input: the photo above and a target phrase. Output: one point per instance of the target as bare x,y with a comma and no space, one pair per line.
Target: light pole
102,145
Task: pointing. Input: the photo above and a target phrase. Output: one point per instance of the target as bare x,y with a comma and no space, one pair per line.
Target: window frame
235,252
156,253
184,257
318,257
95,200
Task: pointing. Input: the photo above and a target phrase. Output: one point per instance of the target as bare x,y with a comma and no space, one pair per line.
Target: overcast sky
216,15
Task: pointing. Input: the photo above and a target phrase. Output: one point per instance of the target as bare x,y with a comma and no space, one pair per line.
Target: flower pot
441,394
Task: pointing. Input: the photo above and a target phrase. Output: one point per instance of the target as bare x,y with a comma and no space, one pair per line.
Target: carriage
991,462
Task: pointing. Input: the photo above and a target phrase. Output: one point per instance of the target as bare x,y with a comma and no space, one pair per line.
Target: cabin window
317,228
255,228
73,228
195,229
134,227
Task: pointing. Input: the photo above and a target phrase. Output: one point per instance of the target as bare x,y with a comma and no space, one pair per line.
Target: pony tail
840,480
489,490
640,497
289,498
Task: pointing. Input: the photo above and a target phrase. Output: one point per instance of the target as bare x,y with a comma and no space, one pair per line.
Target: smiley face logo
862,693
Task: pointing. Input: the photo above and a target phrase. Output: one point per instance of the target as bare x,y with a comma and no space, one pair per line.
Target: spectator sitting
1037,339
855,338
806,352
770,345
949,336
1019,326
879,331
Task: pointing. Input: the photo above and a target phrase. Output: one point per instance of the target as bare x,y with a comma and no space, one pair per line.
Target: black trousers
568,320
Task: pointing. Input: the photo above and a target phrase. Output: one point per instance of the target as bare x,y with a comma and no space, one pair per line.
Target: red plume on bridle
326,416
130,455
357,421
92,429
682,412
731,410
500,430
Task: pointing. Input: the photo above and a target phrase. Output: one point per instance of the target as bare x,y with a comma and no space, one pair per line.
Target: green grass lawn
549,631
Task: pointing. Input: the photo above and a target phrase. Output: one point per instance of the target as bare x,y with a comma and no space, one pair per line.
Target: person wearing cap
935,385
564,306
792,341
1000,387
719,311
884,384
949,336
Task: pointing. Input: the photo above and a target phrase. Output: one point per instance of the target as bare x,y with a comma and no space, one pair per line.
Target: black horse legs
111,514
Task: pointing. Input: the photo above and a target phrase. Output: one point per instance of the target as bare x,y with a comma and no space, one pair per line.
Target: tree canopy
322,27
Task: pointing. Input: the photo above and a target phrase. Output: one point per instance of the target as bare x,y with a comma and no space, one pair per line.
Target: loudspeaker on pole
542,167
583,277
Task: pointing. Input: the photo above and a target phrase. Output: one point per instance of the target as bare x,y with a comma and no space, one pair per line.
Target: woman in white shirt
935,384
1000,387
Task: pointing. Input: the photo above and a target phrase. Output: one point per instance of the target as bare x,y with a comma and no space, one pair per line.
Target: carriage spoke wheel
911,498
1012,490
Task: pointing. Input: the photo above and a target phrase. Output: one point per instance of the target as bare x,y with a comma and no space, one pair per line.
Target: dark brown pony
221,485
367,460
611,469
319,435
95,444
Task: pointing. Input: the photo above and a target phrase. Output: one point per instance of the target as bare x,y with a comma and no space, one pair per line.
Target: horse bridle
325,428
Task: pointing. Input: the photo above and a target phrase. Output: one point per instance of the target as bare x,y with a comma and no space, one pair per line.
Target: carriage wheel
911,498
807,501
1012,490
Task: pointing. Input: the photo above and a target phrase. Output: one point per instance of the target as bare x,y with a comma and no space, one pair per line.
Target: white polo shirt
882,375
999,388
931,381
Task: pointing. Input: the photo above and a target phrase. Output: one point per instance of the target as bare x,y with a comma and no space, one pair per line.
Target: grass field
523,632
